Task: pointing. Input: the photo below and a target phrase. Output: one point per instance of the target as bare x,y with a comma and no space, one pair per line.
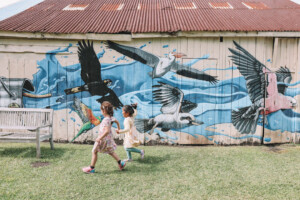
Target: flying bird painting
175,111
161,65
260,81
87,117
91,75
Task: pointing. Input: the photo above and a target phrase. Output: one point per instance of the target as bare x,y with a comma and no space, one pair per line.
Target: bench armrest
34,129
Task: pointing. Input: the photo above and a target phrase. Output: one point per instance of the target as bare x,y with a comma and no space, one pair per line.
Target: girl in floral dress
105,142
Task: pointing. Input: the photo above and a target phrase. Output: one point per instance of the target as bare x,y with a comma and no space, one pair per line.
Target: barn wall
53,66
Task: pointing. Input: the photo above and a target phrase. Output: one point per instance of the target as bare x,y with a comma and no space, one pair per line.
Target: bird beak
179,55
197,123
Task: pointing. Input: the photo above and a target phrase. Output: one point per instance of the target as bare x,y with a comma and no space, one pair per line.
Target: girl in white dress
131,134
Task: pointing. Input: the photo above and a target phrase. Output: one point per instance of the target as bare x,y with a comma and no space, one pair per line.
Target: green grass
206,172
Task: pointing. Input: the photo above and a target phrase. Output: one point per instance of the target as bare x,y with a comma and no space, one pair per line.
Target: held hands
98,139
118,131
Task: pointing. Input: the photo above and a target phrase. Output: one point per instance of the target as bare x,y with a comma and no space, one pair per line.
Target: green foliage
206,172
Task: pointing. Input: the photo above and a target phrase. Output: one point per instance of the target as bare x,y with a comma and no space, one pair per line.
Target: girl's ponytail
130,109
108,108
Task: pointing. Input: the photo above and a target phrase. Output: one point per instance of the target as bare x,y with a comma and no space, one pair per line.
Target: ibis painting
180,99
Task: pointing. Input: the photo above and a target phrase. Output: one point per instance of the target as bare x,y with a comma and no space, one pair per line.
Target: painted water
132,83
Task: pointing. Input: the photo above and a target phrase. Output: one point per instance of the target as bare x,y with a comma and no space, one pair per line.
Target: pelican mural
245,119
174,111
91,75
161,65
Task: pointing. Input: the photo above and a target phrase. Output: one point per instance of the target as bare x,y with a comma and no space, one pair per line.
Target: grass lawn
167,172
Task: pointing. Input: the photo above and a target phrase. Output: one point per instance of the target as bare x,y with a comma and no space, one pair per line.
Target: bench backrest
25,118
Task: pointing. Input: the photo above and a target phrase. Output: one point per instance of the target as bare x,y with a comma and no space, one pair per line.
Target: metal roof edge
129,37
66,36
217,34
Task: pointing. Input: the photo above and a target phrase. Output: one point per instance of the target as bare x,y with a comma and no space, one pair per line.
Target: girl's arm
118,124
106,131
126,126
134,106
135,113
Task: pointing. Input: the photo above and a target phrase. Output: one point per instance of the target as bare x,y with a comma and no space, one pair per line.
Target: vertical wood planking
288,55
297,125
182,48
71,120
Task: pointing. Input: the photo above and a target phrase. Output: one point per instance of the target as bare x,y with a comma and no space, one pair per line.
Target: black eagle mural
91,75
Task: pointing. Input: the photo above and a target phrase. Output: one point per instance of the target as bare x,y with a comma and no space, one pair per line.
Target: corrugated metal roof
141,16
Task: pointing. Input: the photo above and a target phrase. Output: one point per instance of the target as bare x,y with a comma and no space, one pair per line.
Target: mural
91,75
161,65
89,121
174,111
262,88
172,96
12,91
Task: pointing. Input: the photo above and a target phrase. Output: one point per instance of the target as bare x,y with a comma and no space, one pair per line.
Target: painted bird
161,65
174,111
91,75
86,115
259,81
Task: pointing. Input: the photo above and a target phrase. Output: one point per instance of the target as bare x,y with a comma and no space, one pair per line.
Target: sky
296,1
9,8
4,3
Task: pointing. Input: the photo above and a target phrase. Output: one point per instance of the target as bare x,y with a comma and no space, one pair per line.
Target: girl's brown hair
108,108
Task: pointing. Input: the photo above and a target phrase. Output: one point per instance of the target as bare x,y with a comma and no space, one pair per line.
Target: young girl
131,138
105,142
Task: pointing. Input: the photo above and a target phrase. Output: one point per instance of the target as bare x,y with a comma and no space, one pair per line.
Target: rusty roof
142,16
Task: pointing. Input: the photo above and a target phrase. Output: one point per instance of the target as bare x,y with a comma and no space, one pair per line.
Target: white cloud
296,1
4,3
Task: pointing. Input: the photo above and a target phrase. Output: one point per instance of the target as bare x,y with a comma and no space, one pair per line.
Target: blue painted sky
9,8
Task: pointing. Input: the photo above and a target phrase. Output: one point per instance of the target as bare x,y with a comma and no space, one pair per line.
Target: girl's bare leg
94,159
115,156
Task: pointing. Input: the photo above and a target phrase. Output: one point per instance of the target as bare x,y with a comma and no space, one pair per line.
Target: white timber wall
19,59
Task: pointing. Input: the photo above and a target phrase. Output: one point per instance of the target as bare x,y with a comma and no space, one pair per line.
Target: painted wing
170,97
84,112
135,53
187,106
193,73
90,65
78,109
283,76
89,114
252,70
112,98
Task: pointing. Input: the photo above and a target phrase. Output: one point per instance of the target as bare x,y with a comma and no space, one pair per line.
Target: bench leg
38,148
51,139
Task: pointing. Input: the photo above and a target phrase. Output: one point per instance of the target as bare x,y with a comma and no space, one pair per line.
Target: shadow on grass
153,159
149,164
30,152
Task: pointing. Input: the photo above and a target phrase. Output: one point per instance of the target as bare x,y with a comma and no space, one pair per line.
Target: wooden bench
26,125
